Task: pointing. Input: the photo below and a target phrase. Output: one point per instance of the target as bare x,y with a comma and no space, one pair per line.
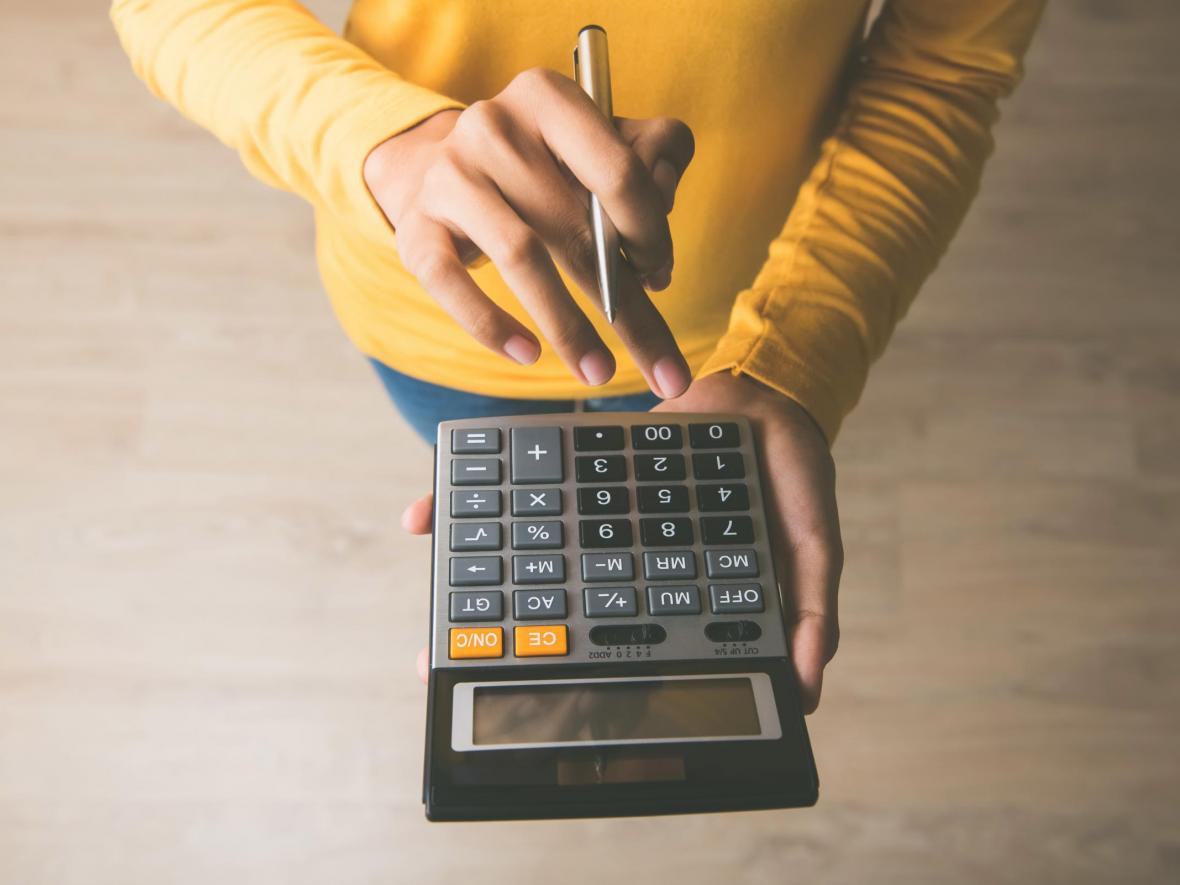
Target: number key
607,499
669,532
728,496
656,436
600,468
657,467
714,436
725,465
727,530
662,499
605,532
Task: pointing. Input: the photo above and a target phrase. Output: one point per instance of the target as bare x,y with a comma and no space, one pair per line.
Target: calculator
607,637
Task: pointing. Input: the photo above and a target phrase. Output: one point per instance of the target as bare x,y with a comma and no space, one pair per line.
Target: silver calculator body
607,636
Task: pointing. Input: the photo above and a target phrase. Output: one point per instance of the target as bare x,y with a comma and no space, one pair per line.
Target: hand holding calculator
607,633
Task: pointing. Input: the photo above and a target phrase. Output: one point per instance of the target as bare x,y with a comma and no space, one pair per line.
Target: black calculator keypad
602,500
600,468
623,540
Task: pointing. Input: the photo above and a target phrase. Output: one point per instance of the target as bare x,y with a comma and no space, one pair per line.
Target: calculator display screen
616,711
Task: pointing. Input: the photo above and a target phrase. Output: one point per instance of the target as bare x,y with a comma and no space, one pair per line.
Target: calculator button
600,468
608,567
536,454
718,465
531,605
735,599
539,535
475,536
468,571
475,471
714,436
665,566
610,602
475,441
477,605
627,634
650,468
656,436
538,640
733,631
538,569
674,600
662,499
471,503
668,532
597,439
727,530
728,496
605,533
731,563
606,499
476,642
536,502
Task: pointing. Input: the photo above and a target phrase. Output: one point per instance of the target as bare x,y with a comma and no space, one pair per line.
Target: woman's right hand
510,178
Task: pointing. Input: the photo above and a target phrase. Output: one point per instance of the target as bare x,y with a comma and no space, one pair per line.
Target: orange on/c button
541,639
477,642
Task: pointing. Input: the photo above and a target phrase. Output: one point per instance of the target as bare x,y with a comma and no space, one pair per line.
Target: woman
829,174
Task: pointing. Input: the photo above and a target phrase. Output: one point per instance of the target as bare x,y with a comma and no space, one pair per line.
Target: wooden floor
208,617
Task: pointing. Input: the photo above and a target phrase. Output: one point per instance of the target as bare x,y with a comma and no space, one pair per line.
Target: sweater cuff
810,353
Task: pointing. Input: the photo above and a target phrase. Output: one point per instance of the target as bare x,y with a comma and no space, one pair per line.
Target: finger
584,140
423,664
428,252
417,518
649,340
665,145
804,512
816,560
480,212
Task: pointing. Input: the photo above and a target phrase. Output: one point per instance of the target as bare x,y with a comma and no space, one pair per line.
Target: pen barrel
592,68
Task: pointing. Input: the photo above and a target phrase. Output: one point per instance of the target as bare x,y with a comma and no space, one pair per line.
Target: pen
592,71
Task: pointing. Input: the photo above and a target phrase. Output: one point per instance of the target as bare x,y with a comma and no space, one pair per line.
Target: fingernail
522,350
660,280
597,367
672,376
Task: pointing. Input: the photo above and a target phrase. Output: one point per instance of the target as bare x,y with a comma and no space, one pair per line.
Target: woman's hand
510,178
799,480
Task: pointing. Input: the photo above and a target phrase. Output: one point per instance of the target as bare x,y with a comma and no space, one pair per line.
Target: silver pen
592,71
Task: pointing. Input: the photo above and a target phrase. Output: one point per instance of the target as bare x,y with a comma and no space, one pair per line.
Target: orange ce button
540,639
477,642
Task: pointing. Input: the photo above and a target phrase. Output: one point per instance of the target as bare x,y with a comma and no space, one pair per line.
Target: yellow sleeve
890,187
301,105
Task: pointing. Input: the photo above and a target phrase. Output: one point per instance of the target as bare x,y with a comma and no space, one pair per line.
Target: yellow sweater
830,172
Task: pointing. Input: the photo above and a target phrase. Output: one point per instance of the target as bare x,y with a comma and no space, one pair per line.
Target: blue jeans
423,404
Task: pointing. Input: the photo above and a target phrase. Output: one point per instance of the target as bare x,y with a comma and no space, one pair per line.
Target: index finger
578,134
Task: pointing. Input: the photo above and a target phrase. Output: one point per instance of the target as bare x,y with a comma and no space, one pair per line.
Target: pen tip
610,315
